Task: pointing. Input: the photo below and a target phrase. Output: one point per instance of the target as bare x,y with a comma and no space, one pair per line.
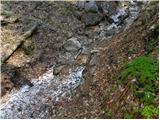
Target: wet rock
72,45
91,19
91,6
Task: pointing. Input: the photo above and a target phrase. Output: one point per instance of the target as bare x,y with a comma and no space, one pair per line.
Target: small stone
72,45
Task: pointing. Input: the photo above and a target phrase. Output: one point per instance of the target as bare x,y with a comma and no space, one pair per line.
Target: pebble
72,45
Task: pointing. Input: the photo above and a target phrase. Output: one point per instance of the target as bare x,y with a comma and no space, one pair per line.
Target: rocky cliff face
60,59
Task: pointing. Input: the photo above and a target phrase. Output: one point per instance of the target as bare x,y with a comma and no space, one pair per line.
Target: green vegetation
145,71
149,111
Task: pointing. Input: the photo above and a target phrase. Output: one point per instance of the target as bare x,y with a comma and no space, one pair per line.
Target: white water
28,99
133,14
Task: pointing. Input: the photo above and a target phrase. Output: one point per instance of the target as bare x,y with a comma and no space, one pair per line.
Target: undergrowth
144,70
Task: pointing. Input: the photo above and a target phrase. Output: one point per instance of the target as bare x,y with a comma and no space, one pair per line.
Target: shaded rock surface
91,19
72,45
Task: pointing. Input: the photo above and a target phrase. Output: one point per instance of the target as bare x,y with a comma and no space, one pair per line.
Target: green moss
143,68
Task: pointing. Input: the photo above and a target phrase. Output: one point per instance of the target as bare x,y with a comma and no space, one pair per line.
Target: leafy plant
145,70
149,111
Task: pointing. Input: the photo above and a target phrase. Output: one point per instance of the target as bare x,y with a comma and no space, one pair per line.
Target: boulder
91,19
